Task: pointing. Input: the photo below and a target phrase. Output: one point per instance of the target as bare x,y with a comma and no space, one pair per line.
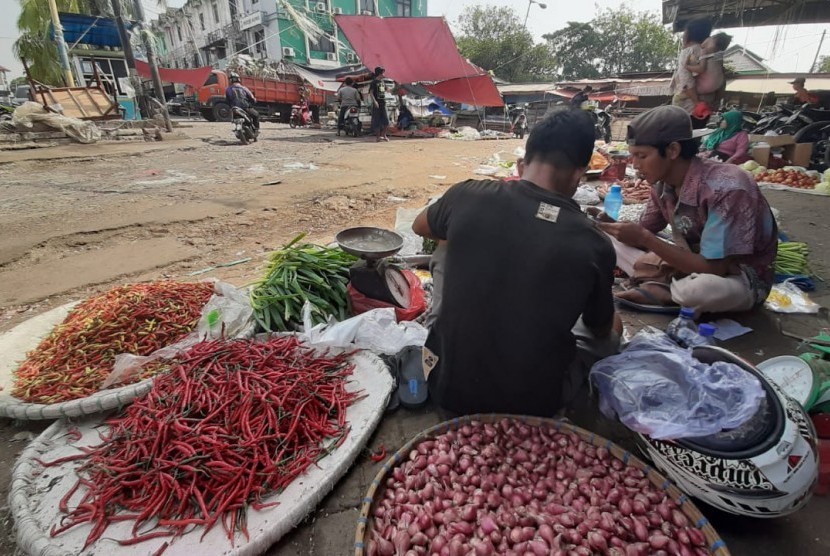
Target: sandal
654,303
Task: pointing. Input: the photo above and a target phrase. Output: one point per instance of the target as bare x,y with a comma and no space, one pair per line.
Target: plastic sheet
29,113
787,298
376,330
659,389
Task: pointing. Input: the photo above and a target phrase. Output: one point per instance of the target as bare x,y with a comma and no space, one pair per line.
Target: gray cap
661,126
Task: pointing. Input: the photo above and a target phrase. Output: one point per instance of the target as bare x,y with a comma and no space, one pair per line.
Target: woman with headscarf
729,143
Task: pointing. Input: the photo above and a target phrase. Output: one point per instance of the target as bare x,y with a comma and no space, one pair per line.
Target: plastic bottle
613,202
705,336
683,328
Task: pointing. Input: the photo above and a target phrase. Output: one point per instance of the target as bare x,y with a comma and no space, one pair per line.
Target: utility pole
813,68
149,47
62,50
129,58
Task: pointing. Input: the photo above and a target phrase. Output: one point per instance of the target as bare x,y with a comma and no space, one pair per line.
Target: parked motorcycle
817,133
602,121
243,127
300,115
351,122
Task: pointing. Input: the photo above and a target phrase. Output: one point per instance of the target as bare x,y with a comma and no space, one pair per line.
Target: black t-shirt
378,91
522,265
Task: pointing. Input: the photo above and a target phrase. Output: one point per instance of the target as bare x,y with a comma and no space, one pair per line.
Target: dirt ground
76,220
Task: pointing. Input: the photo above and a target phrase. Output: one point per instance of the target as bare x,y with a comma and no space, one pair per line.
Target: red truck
274,96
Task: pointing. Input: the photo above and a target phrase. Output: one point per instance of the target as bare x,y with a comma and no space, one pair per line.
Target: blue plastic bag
658,389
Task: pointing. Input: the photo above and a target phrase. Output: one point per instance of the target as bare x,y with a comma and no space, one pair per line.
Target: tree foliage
824,64
616,41
495,39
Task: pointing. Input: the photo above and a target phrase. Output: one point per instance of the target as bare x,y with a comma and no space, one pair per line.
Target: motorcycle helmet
379,70
234,77
765,468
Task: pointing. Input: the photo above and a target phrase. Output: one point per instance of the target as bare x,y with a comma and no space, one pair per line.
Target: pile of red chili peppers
231,423
73,361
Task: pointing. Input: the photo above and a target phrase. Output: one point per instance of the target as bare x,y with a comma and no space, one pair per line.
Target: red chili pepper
378,455
231,423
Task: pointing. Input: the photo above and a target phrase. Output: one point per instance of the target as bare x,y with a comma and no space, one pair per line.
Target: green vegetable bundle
299,273
792,258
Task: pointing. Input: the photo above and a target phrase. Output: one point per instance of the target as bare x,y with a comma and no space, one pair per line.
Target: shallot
513,488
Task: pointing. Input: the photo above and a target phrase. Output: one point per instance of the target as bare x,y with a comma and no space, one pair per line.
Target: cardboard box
773,140
799,154
761,154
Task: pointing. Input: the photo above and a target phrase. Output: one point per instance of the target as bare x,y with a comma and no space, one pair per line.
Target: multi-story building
208,32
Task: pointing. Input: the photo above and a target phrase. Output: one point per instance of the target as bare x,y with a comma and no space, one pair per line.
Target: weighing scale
373,275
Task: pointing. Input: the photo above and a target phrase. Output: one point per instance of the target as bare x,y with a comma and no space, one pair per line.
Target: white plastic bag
376,330
787,298
659,389
586,195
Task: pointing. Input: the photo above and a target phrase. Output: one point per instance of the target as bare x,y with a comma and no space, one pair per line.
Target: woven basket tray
715,544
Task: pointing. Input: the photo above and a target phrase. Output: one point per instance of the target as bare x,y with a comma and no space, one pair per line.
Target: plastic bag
659,389
376,330
417,300
787,298
586,195
227,314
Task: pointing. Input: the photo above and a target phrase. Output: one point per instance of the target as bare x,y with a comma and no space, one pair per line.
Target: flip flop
391,362
412,384
657,307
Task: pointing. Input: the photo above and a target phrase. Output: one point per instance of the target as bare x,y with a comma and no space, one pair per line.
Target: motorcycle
300,115
602,121
765,468
6,112
352,122
243,126
817,133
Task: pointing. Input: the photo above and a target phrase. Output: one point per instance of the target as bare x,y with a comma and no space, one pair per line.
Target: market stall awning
193,77
329,80
746,13
419,49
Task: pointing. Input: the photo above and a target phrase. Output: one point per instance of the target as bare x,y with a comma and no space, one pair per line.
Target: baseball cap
798,81
661,126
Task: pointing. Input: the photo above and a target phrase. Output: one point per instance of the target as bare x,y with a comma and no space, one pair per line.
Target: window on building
325,44
202,21
259,41
179,32
170,38
404,8
215,7
366,6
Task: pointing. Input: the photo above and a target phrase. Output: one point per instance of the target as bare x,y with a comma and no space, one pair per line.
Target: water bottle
705,336
613,201
683,329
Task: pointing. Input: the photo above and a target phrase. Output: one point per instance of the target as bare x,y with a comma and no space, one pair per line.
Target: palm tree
35,44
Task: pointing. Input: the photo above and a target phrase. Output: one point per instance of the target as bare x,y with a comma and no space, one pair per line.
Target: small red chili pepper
378,455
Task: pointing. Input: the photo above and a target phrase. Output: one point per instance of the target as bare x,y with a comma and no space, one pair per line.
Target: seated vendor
724,235
405,117
525,283
436,120
729,143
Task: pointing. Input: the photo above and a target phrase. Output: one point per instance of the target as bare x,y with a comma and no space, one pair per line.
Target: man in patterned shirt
724,235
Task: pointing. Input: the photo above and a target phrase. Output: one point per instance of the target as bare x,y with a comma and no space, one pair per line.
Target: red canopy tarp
419,50
193,77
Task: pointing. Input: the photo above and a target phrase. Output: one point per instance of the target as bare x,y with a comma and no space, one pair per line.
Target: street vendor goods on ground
284,406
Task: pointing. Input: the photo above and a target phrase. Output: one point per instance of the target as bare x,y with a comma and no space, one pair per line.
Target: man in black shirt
377,93
581,96
526,303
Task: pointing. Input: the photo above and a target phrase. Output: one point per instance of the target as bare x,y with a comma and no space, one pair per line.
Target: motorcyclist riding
239,96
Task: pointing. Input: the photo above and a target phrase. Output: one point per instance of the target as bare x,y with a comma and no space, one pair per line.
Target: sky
790,48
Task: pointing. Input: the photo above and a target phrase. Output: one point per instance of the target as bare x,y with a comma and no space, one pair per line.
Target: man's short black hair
565,139
588,89
698,30
688,148
349,81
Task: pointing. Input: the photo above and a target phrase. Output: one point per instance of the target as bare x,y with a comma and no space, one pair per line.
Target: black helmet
234,77
379,70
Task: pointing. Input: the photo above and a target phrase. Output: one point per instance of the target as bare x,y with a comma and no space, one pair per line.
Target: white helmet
767,467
